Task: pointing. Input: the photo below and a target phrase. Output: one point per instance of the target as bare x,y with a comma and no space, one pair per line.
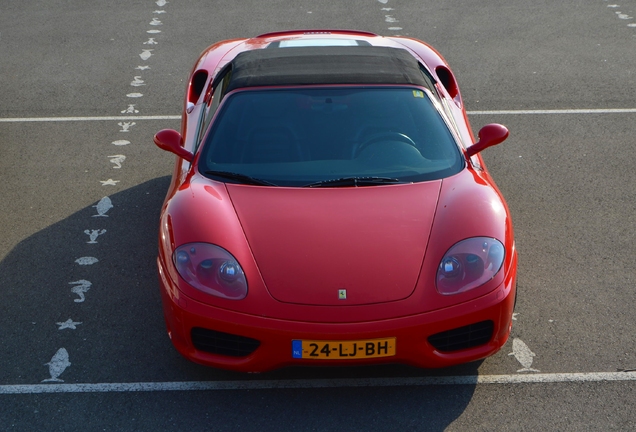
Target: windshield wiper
241,178
355,181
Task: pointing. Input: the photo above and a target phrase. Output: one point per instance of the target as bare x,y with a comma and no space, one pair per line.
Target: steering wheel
384,136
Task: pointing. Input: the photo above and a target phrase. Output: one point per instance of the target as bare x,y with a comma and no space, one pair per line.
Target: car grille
463,337
223,343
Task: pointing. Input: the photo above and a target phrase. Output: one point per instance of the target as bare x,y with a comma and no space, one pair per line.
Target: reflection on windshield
299,136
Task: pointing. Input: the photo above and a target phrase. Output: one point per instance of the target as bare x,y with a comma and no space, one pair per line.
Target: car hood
309,244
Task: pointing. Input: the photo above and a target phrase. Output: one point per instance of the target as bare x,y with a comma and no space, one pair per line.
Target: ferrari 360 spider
329,206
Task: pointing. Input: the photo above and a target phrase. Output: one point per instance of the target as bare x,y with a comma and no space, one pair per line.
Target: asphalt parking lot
83,88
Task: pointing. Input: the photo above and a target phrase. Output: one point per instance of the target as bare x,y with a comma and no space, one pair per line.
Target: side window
211,106
451,118
430,81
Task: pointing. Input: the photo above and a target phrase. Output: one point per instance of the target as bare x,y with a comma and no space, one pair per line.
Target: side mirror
490,135
171,140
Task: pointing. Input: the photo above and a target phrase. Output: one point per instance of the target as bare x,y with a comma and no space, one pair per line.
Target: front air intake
463,338
223,343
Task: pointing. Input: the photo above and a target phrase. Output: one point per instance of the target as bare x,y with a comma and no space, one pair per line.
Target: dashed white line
309,384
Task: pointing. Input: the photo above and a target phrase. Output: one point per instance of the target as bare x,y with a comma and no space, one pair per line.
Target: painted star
109,182
69,323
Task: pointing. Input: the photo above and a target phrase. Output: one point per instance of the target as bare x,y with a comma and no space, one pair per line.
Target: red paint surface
308,243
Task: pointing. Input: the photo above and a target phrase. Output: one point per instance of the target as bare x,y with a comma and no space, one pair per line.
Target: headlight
211,269
469,264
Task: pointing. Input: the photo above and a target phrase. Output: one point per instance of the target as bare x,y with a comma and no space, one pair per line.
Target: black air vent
223,343
462,338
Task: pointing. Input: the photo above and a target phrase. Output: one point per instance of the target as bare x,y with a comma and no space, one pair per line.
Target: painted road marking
130,110
145,54
93,234
556,111
178,117
105,118
68,324
117,160
523,355
310,384
87,260
125,126
105,203
137,81
623,16
59,362
81,287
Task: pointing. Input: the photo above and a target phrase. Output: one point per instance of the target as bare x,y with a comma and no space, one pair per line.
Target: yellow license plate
343,350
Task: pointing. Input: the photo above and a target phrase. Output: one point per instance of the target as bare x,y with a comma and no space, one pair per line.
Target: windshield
307,136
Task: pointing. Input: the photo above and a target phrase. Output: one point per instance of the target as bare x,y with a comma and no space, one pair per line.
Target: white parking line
556,111
72,119
309,384
178,117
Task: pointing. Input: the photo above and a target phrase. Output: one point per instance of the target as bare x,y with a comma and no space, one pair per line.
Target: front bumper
275,336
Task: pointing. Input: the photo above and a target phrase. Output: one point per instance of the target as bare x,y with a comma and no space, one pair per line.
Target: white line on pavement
178,117
556,111
72,119
321,383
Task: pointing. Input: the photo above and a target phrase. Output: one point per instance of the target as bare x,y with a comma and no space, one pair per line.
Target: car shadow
95,268
88,284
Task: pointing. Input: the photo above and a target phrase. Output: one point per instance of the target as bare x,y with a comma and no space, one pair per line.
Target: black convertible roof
324,65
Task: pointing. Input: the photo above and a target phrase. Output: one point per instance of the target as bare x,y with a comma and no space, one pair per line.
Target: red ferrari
329,206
